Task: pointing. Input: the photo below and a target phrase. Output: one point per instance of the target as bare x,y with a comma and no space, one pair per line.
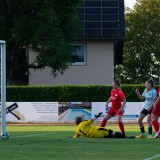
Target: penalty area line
33,135
158,155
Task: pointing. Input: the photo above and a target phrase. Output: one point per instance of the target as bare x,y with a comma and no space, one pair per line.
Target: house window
79,54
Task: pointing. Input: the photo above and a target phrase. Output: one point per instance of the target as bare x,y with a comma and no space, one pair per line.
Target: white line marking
33,135
158,155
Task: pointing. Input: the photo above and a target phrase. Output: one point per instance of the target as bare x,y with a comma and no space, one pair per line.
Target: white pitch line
158,155
33,135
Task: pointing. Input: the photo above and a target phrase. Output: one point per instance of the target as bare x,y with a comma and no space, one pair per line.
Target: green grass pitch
52,143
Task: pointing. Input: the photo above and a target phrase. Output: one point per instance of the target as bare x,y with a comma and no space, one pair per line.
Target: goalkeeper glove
98,115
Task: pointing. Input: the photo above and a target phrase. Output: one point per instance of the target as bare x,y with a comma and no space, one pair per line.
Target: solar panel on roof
103,18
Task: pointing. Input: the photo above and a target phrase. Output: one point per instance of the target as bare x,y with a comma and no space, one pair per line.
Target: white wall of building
98,70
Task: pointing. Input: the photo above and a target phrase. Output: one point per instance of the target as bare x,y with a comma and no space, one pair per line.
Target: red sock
103,123
155,125
121,126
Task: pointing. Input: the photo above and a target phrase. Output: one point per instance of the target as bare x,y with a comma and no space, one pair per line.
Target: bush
129,91
69,93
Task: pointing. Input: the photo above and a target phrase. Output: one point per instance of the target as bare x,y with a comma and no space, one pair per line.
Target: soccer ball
4,135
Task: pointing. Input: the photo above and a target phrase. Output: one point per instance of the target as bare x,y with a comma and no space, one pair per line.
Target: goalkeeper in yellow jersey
85,129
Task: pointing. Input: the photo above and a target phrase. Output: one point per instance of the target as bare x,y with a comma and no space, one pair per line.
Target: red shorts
157,111
113,112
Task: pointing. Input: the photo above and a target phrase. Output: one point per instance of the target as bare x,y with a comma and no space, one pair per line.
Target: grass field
52,143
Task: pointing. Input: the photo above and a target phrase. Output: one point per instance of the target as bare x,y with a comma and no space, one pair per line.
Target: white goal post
3,86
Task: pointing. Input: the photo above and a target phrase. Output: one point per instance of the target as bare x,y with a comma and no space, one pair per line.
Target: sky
129,3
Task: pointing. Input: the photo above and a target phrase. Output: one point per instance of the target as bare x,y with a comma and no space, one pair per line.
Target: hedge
68,93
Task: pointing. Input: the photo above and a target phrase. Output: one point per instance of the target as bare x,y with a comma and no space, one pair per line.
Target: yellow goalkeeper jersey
87,130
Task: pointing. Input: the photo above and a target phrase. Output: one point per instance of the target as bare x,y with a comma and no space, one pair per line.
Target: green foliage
69,93
141,48
46,27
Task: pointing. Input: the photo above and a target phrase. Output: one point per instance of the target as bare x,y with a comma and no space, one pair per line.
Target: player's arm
90,121
76,134
154,100
96,116
86,123
139,95
109,100
123,99
123,103
158,99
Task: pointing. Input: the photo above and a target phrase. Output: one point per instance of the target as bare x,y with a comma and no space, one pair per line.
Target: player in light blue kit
150,95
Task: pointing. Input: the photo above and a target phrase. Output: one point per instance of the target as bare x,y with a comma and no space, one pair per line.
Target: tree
45,26
141,48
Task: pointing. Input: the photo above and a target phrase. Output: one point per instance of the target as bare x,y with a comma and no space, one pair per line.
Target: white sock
157,132
143,134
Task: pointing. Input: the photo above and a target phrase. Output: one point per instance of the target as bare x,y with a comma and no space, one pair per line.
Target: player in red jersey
117,107
156,114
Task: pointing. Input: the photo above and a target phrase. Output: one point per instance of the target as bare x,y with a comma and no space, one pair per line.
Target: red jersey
116,97
158,93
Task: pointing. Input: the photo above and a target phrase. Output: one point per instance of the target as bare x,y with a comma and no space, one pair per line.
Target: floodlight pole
3,86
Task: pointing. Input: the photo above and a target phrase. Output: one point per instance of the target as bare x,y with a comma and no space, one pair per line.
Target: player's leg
109,115
149,122
119,120
104,121
154,117
140,119
102,133
117,135
120,135
107,133
155,124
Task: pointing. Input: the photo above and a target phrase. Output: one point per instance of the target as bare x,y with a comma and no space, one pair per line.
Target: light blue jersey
149,97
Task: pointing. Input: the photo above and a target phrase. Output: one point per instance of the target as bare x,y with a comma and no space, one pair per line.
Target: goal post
3,86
